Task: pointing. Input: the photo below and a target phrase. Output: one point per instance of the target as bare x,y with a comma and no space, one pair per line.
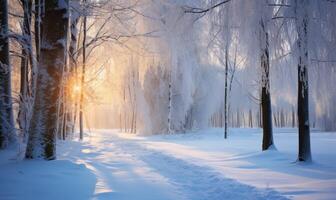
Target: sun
76,88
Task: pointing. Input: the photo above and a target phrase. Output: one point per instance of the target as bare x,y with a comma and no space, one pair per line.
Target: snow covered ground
200,165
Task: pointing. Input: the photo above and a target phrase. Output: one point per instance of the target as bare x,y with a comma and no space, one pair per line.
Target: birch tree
43,126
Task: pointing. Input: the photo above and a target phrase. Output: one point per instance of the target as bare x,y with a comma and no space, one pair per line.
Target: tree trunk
61,113
170,94
73,71
81,101
265,89
238,118
37,28
250,119
293,117
226,90
26,54
301,10
43,126
7,127
303,115
124,106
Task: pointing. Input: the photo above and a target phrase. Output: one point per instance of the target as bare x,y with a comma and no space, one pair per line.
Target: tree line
171,93
301,13
54,47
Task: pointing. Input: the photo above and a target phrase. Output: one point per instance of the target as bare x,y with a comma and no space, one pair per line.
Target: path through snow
127,169
192,166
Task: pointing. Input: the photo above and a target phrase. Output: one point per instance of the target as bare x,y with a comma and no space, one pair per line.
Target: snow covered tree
26,57
302,22
65,124
156,92
6,110
43,126
81,101
73,71
266,108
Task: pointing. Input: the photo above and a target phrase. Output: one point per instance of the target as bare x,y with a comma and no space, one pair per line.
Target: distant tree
221,44
156,93
170,102
227,49
43,126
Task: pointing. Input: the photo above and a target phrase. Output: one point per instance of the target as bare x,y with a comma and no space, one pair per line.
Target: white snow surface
197,166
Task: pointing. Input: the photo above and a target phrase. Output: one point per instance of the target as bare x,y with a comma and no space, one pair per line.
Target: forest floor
196,166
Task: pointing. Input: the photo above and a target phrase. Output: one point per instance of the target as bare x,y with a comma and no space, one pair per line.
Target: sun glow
76,88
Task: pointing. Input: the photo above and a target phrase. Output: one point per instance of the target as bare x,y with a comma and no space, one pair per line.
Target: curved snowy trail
127,169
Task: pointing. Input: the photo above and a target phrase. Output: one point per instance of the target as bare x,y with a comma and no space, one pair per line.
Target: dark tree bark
303,115
226,90
282,118
260,115
6,110
170,95
301,10
37,28
293,117
265,90
43,126
38,12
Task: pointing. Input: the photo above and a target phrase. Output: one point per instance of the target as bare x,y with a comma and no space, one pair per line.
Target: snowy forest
168,99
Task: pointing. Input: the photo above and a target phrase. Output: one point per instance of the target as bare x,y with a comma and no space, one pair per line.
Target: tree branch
203,10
